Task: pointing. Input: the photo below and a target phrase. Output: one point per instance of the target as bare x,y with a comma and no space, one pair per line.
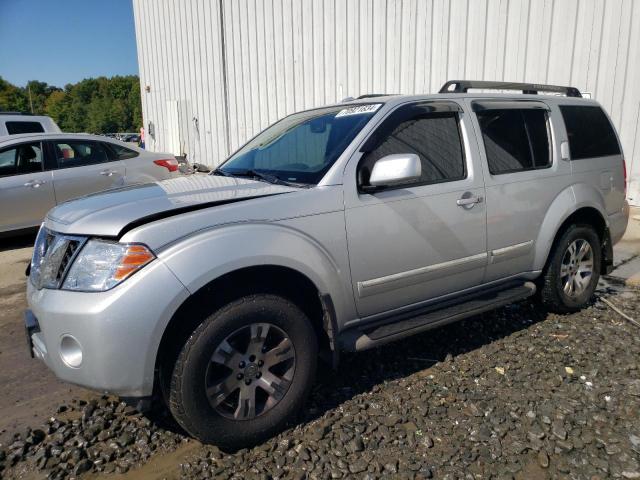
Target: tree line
93,105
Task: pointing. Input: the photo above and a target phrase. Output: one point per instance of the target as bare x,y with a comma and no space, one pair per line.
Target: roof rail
373,95
462,86
15,113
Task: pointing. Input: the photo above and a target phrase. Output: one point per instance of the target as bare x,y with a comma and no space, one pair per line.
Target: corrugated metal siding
180,60
280,56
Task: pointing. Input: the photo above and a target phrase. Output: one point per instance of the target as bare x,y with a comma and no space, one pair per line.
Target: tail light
624,173
170,164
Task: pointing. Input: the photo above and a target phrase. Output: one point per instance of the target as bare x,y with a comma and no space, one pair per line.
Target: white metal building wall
235,66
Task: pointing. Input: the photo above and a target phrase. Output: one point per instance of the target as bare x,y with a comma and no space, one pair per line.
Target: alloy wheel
576,269
250,371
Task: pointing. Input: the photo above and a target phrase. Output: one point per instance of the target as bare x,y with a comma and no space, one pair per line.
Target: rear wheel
572,273
245,372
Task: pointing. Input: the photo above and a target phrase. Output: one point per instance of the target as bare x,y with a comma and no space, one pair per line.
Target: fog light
70,351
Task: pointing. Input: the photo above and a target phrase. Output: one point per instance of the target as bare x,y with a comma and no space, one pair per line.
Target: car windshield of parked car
301,147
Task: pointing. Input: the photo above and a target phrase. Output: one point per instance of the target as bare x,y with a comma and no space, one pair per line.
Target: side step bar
394,328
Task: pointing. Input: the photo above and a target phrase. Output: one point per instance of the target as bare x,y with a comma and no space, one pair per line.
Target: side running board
394,328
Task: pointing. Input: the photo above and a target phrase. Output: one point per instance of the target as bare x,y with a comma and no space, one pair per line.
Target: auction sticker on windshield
360,109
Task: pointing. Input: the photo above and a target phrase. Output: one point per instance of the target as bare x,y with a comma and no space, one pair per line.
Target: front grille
72,248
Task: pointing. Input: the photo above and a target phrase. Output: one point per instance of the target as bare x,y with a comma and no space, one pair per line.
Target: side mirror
394,170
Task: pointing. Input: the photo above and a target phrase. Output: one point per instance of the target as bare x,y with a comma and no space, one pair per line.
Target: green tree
95,105
12,98
57,107
37,94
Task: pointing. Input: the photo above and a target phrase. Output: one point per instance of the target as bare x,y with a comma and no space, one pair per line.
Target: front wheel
245,372
572,273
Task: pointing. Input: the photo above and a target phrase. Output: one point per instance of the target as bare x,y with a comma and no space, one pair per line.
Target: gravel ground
29,391
514,393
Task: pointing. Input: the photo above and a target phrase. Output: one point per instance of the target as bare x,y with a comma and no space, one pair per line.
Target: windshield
301,147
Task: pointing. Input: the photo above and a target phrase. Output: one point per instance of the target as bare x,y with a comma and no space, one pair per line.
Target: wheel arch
579,204
275,279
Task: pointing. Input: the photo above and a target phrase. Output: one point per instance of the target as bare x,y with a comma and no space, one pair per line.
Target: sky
65,41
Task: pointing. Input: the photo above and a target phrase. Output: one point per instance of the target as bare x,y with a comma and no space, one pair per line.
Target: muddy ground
515,393
29,390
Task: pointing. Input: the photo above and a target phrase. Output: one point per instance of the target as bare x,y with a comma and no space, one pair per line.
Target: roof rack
373,95
15,113
462,86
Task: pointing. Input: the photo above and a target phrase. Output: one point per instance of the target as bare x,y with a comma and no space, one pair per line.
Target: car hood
113,213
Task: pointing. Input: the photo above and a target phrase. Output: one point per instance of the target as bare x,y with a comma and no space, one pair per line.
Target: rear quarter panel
141,169
571,199
605,174
596,183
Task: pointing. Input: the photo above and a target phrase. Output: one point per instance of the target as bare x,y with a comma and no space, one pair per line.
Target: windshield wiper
265,177
219,172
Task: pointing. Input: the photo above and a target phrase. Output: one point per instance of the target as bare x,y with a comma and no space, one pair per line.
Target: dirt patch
29,389
161,467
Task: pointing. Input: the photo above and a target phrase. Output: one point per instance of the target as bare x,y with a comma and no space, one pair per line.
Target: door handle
108,173
34,183
468,201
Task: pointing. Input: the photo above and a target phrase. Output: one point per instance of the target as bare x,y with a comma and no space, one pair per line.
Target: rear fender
570,200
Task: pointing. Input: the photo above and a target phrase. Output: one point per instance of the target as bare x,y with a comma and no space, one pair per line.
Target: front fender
571,199
198,260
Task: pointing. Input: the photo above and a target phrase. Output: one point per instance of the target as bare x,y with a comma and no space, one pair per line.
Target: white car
40,171
16,123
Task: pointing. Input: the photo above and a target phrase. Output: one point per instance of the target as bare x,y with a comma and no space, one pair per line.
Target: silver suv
338,228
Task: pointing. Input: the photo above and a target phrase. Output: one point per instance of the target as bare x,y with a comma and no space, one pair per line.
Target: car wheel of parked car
245,372
573,270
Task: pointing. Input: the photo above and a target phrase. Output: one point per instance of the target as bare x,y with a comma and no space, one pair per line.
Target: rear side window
14,128
590,132
21,159
435,138
78,153
515,140
120,152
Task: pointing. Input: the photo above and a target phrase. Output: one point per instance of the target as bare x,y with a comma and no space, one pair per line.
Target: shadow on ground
360,372
21,240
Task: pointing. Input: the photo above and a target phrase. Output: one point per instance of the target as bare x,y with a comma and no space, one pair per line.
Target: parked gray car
41,170
338,228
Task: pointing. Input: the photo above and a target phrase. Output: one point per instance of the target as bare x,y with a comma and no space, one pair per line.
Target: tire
224,416
558,292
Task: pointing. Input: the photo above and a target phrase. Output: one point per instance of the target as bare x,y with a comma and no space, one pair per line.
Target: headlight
52,254
102,265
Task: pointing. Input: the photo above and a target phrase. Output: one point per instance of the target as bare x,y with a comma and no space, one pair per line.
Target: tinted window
301,147
73,153
14,128
25,158
120,152
515,140
434,138
590,132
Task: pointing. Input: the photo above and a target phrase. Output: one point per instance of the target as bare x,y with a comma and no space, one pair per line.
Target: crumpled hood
113,212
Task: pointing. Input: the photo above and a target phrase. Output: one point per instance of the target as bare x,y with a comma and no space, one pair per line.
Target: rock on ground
514,393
